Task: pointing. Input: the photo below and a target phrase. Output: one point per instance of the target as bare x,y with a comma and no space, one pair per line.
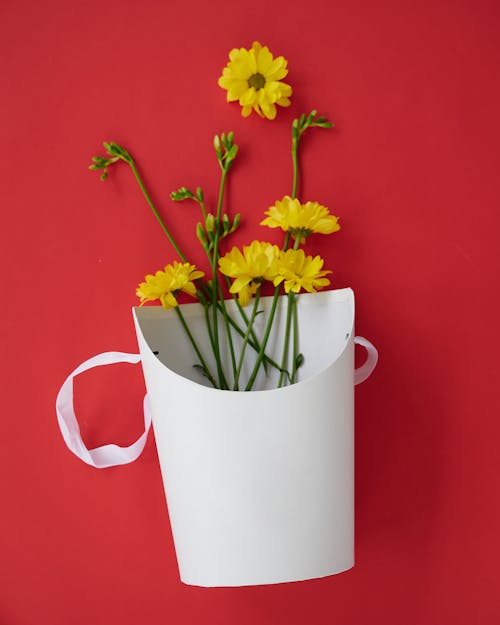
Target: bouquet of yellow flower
254,79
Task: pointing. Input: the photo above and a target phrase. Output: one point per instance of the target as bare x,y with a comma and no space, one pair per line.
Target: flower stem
215,285
245,340
225,316
195,347
295,340
245,319
255,346
153,208
286,341
291,303
263,345
295,163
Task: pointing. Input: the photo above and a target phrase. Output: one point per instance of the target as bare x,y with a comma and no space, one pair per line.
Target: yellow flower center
257,81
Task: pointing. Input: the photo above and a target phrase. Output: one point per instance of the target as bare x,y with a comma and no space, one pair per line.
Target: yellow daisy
299,271
257,263
166,285
253,78
300,220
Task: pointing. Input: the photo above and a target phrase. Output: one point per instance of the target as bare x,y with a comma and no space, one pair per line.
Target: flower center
257,81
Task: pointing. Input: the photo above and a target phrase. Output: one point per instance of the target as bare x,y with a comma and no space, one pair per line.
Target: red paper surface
411,169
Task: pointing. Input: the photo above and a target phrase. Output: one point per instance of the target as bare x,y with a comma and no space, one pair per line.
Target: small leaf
201,369
299,361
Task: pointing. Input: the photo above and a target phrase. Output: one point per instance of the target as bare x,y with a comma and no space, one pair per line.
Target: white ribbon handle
107,455
364,372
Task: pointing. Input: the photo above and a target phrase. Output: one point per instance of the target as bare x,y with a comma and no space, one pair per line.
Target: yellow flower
253,77
299,271
166,285
300,220
257,263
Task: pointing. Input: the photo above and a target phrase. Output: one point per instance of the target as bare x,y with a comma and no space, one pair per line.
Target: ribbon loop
364,372
106,455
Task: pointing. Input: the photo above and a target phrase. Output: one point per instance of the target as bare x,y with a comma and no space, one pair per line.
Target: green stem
286,242
225,316
209,327
286,340
291,304
195,347
264,340
295,162
245,340
215,283
156,214
295,339
255,346
245,319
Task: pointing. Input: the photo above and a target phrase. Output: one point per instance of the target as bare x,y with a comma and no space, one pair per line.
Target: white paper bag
259,485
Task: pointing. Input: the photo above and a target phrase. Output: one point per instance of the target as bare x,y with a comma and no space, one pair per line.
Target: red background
411,169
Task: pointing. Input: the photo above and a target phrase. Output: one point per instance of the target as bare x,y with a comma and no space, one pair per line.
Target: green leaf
202,370
299,361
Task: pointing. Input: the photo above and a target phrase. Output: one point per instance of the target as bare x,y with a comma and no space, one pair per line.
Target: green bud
225,223
181,194
200,233
231,155
236,222
114,149
217,145
210,223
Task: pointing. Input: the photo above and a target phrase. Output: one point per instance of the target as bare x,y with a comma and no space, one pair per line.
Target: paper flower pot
260,484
